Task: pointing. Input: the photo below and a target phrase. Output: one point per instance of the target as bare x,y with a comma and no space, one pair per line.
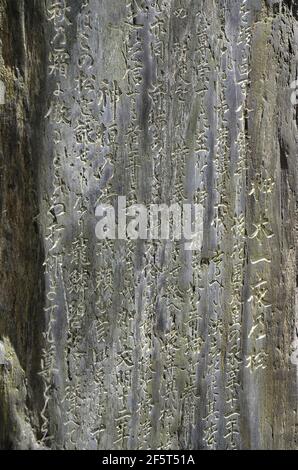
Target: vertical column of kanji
157,324
81,143
259,231
135,349
199,321
140,267
115,289
210,305
220,150
107,395
238,35
182,186
52,214
198,396
214,433
174,262
121,432
173,297
268,376
166,373
94,281
75,133
208,277
140,66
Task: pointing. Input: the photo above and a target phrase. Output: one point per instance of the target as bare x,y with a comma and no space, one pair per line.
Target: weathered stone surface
23,71
123,344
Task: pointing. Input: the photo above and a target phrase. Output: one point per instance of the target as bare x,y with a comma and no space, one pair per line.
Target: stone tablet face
148,227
